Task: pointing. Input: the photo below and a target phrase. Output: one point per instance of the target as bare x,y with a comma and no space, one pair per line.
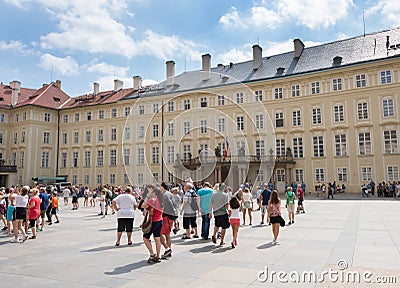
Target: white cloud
389,9
13,45
236,55
64,66
18,3
109,69
232,19
263,17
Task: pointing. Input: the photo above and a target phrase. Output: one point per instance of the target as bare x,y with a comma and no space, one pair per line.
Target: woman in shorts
20,214
33,211
274,214
3,209
247,205
234,218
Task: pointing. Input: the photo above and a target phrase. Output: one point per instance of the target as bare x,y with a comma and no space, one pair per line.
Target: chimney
257,56
16,89
206,66
298,48
170,72
137,82
96,88
58,84
118,84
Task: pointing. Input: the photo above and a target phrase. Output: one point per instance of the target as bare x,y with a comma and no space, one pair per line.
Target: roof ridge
45,90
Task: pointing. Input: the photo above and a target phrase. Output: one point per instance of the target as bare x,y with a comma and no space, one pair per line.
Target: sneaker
196,236
274,242
232,245
167,253
50,223
4,228
32,237
25,238
175,231
214,240
15,241
57,222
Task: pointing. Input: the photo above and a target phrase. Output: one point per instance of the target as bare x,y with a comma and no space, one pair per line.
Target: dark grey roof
352,51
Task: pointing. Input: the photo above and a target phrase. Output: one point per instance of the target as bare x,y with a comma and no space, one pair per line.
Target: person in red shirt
300,196
33,210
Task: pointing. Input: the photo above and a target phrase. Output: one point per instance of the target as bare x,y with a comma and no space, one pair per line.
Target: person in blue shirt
264,198
303,186
205,194
271,185
43,206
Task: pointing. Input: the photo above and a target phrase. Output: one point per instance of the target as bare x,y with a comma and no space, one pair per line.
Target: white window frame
386,76
296,90
296,118
340,145
318,146
364,144
362,110
361,80
388,107
342,174
366,173
337,84
278,93
319,175
298,148
390,142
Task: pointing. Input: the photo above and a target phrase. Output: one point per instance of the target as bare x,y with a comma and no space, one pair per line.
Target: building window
260,148
298,148
24,116
170,177
64,159
155,130
140,178
127,156
386,77
113,134
203,126
75,157
87,162
140,156
127,133
362,110
113,157
221,100
14,158
155,107
74,179
260,121
364,143
89,116
366,173
127,111
186,152
280,147
100,157
76,137
259,95
86,179
47,117
140,132
340,145
279,119
16,117
239,98
316,116
318,146
342,174
295,90
278,93
76,117
171,129
186,127
361,80
126,179
221,124
155,155
21,159
171,106
112,178
338,113
88,136
337,84
241,146
100,135
64,138
315,88
114,113
65,118
23,136
45,159
170,154
1,139
186,104
280,175
15,137
141,109
101,114
260,176
203,102
319,175
390,141
388,107
155,177
239,123
393,173
203,151
46,137
299,175
99,179
296,118
2,117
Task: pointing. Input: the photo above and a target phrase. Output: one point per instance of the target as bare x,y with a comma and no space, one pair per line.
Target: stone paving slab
80,251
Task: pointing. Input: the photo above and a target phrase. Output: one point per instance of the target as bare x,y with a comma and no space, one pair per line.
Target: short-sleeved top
235,214
219,199
54,202
157,209
266,195
34,212
205,199
21,201
300,193
66,192
170,207
247,197
126,203
275,209
187,198
45,200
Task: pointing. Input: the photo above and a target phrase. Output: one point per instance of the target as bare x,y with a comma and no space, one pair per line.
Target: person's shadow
266,245
128,268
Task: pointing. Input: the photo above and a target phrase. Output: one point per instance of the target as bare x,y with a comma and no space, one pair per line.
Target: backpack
290,197
193,200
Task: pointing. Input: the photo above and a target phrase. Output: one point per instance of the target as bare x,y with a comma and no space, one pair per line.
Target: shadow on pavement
128,268
266,246
104,248
204,249
221,249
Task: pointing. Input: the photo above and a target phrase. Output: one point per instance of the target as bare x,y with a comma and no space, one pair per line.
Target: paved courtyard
363,236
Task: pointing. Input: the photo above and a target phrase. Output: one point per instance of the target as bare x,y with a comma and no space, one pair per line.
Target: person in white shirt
125,205
66,193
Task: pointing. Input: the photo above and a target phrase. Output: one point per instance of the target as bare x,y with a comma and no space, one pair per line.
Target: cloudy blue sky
86,41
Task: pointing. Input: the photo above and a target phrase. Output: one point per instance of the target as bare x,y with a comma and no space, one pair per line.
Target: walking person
274,215
75,203
290,197
264,198
125,205
330,190
102,201
300,202
33,211
154,203
54,208
86,193
247,205
10,210
234,219
66,193
21,201
3,210
205,194
219,205
44,203
191,204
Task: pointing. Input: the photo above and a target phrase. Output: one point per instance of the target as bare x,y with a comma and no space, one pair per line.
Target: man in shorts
219,205
54,208
43,206
189,209
170,214
264,198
